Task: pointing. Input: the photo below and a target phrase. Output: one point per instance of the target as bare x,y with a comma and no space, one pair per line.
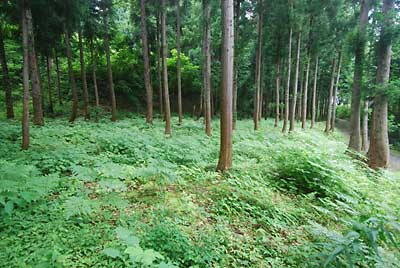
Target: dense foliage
122,195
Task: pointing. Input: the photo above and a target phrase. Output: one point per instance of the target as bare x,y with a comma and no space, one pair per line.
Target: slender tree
236,65
306,83
257,94
379,145
178,67
160,87
72,82
296,82
94,77
48,72
336,94
287,91
364,128
165,70
330,98
146,61
355,143
58,78
277,89
109,71
314,94
6,77
86,111
25,77
227,55
207,65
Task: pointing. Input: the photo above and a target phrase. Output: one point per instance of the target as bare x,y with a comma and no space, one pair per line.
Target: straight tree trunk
314,94
94,70
25,78
300,98
330,98
227,55
336,94
146,61
165,70
58,78
305,95
48,72
364,129
277,90
6,78
236,65
160,87
34,72
207,65
296,83
178,67
355,142
287,91
86,111
257,94
379,152
72,82
110,74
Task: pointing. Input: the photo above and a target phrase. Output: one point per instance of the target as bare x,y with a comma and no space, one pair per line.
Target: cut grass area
284,196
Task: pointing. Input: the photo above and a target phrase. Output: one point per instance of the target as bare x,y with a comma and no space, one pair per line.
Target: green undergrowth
123,195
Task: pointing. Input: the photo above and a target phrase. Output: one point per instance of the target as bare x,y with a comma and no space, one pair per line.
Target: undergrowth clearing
122,195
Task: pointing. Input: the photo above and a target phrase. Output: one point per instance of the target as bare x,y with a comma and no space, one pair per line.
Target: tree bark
296,83
314,95
355,143
58,78
277,90
379,145
207,65
257,94
146,61
165,70
336,94
72,82
160,87
236,65
178,67
227,55
330,98
86,111
25,78
305,95
94,75
287,91
6,78
34,72
110,73
364,129
48,72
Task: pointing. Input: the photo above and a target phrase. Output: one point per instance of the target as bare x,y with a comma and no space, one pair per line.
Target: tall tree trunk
6,78
165,70
146,61
277,90
314,94
305,95
72,82
86,111
178,67
227,55
379,145
58,78
25,78
48,71
336,94
207,65
110,74
236,65
34,72
355,143
287,91
296,83
330,98
364,128
300,97
160,87
257,93
94,70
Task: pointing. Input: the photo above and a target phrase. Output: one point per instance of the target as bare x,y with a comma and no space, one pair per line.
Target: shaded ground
344,127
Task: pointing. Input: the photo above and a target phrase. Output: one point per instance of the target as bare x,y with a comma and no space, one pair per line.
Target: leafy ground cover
122,195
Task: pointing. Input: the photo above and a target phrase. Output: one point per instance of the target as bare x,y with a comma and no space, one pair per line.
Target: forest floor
123,195
344,127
